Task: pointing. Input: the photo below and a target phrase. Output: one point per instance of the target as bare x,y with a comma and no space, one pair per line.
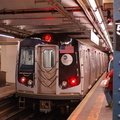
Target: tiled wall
8,61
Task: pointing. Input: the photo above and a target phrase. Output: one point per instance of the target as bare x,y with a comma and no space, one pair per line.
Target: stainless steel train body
55,67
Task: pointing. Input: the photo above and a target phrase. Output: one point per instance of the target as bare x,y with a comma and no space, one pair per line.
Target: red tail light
23,79
73,81
48,38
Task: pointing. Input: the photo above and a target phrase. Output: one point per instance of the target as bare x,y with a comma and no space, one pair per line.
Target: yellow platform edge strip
79,108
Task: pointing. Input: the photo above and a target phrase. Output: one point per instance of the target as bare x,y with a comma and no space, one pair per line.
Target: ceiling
21,18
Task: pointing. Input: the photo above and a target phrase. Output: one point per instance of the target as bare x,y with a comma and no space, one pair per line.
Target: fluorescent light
109,42
108,39
98,16
102,26
93,4
105,32
6,36
94,7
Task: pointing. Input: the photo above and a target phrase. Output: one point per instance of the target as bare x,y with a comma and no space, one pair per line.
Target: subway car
57,67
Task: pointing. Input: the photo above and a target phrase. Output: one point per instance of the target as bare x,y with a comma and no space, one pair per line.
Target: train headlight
30,82
64,83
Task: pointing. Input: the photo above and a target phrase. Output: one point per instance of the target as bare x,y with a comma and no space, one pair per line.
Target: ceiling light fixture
7,36
93,4
99,18
102,26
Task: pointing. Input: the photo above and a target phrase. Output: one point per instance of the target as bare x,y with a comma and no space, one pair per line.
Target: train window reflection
26,59
48,58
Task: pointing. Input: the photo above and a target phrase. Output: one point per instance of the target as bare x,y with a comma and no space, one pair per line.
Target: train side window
48,58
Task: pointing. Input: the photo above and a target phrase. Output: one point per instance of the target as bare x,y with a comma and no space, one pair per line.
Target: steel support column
116,85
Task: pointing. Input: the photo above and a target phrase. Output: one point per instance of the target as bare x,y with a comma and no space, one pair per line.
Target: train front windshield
26,59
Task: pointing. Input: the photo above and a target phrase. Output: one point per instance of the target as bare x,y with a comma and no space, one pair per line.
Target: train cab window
26,59
48,58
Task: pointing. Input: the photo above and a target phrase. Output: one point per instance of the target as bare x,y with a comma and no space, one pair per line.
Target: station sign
117,35
94,38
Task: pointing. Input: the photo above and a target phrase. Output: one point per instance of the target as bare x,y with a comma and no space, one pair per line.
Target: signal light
47,38
23,79
73,81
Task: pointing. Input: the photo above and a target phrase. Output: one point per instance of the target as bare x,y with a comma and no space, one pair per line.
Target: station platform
7,90
93,105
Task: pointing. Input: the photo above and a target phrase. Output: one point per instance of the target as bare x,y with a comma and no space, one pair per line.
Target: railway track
9,110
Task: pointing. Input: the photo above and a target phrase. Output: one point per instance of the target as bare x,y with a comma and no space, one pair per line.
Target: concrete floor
7,90
93,106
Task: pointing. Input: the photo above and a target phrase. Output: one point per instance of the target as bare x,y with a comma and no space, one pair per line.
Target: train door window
26,59
48,58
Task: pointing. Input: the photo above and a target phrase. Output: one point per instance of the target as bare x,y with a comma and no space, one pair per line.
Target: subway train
57,67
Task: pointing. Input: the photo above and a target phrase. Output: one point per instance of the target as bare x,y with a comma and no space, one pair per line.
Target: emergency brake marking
66,59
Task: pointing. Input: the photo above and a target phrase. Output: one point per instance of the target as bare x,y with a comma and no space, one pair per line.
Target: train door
103,62
89,66
100,57
100,63
46,64
96,65
92,80
86,65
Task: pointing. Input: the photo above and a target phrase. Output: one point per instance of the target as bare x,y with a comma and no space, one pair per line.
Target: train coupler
45,106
